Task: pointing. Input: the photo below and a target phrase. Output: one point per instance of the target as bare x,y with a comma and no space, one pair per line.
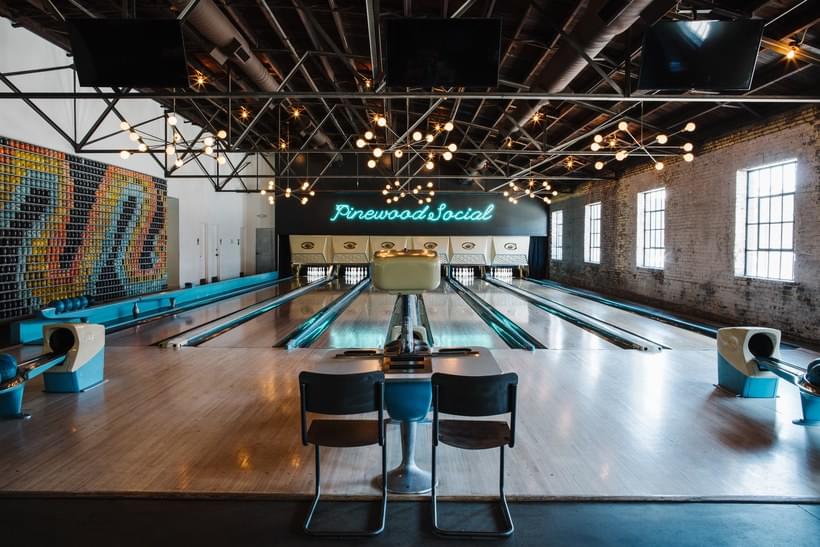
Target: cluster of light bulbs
395,192
208,144
623,147
303,193
514,192
414,145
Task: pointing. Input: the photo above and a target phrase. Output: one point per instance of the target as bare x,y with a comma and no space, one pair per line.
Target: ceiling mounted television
128,52
424,52
701,55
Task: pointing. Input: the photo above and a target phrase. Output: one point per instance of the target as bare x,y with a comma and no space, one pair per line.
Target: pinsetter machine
750,365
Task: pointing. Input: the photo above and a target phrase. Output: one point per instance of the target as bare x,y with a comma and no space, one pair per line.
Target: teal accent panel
408,401
746,386
11,402
88,375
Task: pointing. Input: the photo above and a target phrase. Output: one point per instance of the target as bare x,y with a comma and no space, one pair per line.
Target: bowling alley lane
668,335
265,330
160,329
453,323
552,331
363,324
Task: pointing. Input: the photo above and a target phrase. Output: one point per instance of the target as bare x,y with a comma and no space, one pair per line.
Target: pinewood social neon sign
442,213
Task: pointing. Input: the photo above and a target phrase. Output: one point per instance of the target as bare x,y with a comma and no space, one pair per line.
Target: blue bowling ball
60,306
83,302
813,373
8,367
78,304
69,304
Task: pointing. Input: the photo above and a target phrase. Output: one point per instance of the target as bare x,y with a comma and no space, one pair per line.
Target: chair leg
505,509
347,533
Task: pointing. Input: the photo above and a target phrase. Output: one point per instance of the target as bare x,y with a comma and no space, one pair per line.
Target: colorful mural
73,227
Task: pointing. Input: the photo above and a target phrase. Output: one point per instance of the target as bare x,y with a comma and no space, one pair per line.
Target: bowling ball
83,302
60,306
69,304
813,373
8,367
78,304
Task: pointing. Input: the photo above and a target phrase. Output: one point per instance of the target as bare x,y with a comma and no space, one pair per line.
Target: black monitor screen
702,55
128,52
442,52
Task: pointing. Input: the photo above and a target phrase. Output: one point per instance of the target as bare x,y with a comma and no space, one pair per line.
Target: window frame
656,226
557,235
592,238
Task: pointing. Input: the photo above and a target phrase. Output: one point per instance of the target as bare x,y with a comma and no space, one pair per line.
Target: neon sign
441,213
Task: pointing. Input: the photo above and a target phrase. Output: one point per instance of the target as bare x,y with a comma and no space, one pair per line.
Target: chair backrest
474,395
341,393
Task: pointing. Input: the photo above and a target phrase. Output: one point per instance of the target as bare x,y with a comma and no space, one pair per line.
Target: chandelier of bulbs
420,145
303,193
514,192
622,142
208,144
395,192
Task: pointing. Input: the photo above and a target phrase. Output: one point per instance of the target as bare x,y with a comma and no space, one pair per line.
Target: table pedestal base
409,478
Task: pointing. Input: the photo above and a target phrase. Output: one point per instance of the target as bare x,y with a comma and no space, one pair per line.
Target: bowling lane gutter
309,331
202,333
506,328
612,333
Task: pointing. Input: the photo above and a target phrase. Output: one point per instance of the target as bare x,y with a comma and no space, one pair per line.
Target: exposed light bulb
448,126
506,193
305,185
511,184
659,165
402,194
209,150
429,184
555,192
208,141
421,202
599,165
396,183
432,193
429,165
688,156
381,121
416,135
170,149
598,138
510,199
384,192
791,53
428,200
452,147
221,160
429,137
304,201
623,126
620,155
527,191
662,139
688,147
371,163
546,199
222,134
389,200
124,126
378,152
398,152
179,162
262,191
312,193
447,155
689,127
360,143
177,137
415,190
595,147
142,147
125,154
172,119
368,135
134,136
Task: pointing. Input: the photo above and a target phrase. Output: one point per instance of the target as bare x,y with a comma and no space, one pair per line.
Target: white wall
198,202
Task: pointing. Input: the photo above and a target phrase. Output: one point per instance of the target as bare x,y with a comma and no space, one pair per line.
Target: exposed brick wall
698,278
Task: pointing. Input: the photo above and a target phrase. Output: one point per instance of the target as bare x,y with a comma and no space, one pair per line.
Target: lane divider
203,333
613,333
307,333
506,328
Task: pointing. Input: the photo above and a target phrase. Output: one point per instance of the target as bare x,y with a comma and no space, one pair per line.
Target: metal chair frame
379,407
512,381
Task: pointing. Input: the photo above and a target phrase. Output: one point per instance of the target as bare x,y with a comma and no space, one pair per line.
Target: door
213,246
265,250
202,269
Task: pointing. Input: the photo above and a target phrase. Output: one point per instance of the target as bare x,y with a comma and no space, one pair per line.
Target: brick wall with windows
699,270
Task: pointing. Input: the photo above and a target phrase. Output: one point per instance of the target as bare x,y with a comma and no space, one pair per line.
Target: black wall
528,217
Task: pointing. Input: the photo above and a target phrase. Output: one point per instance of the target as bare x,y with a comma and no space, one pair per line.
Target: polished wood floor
593,423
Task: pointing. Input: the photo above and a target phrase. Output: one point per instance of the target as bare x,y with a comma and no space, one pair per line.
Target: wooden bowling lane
363,324
552,331
668,335
454,323
267,329
152,332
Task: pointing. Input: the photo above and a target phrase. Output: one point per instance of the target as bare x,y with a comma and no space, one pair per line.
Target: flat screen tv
424,52
128,52
701,55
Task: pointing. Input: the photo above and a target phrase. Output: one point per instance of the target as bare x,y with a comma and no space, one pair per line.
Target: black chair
474,396
343,394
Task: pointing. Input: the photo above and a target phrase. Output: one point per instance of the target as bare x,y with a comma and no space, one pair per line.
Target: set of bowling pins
502,273
354,274
316,272
463,274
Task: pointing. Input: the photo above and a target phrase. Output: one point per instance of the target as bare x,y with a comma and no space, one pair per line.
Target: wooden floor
594,423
